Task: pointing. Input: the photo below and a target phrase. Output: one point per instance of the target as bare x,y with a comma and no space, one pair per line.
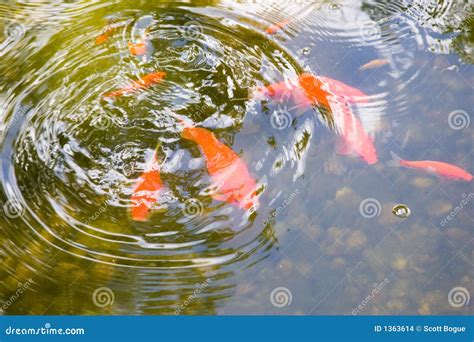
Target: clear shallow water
313,246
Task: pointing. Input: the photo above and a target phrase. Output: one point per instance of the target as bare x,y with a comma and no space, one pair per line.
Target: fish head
190,133
137,49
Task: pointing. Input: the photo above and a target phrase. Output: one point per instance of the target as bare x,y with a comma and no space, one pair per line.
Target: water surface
323,239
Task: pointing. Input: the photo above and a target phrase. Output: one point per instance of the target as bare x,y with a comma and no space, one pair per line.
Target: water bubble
401,210
305,51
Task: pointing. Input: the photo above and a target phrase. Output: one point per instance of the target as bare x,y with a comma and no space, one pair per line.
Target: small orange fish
439,168
229,174
146,191
272,29
101,39
142,83
309,90
139,48
106,35
376,63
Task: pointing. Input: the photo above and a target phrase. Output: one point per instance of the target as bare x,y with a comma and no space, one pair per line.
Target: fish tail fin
395,162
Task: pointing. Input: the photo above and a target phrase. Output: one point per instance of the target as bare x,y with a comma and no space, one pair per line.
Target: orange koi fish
146,191
109,30
439,168
103,37
309,90
139,48
142,83
376,63
229,174
272,29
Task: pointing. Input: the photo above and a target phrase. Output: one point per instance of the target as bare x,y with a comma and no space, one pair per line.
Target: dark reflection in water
70,156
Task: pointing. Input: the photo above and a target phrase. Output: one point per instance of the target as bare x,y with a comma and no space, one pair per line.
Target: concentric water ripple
90,148
71,155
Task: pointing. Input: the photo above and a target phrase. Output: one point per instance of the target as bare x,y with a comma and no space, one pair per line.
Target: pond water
323,238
